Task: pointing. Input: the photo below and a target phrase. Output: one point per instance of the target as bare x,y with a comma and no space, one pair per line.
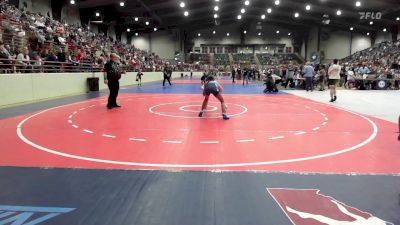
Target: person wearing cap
112,74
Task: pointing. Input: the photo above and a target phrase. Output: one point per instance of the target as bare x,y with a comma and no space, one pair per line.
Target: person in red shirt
81,55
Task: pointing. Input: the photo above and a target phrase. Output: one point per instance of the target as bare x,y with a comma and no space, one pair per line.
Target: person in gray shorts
211,86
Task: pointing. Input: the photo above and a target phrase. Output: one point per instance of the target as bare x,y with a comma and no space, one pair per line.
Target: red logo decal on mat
309,207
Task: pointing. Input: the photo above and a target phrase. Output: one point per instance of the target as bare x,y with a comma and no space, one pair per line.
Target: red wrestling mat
153,131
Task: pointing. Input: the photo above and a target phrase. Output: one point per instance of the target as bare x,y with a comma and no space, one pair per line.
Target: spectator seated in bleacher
22,62
5,59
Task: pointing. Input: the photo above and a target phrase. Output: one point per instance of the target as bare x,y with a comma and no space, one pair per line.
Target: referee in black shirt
167,74
112,74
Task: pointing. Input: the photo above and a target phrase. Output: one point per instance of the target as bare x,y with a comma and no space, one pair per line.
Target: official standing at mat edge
112,74
167,74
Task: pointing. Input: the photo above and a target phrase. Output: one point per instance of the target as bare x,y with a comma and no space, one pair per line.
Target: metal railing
10,66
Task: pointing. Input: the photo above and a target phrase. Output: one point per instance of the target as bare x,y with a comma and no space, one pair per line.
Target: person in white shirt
334,77
22,61
350,78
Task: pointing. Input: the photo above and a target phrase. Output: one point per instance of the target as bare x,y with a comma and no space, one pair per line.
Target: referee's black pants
168,78
113,86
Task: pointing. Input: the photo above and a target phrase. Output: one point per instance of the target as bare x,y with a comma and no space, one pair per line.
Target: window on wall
219,50
212,49
204,50
234,50
288,49
227,50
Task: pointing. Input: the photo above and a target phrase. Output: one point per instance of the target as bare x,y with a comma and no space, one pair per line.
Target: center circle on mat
32,142
198,107
165,109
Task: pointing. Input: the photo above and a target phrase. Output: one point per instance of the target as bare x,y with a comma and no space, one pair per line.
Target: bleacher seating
265,58
221,59
287,58
275,59
243,58
22,29
199,58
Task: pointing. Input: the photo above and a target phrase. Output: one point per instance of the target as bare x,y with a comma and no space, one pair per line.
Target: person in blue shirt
308,75
211,86
363,70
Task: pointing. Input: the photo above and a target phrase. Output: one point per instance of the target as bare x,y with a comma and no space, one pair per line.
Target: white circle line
108,136
182,108
242,141
278,137
209,142
214,108
27,141
137,139
172,142
196,117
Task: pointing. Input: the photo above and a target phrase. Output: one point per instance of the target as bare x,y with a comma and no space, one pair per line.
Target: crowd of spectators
276,59
199,58
31,42
241,58
380,62
221,59
266,58
377,67
53,46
